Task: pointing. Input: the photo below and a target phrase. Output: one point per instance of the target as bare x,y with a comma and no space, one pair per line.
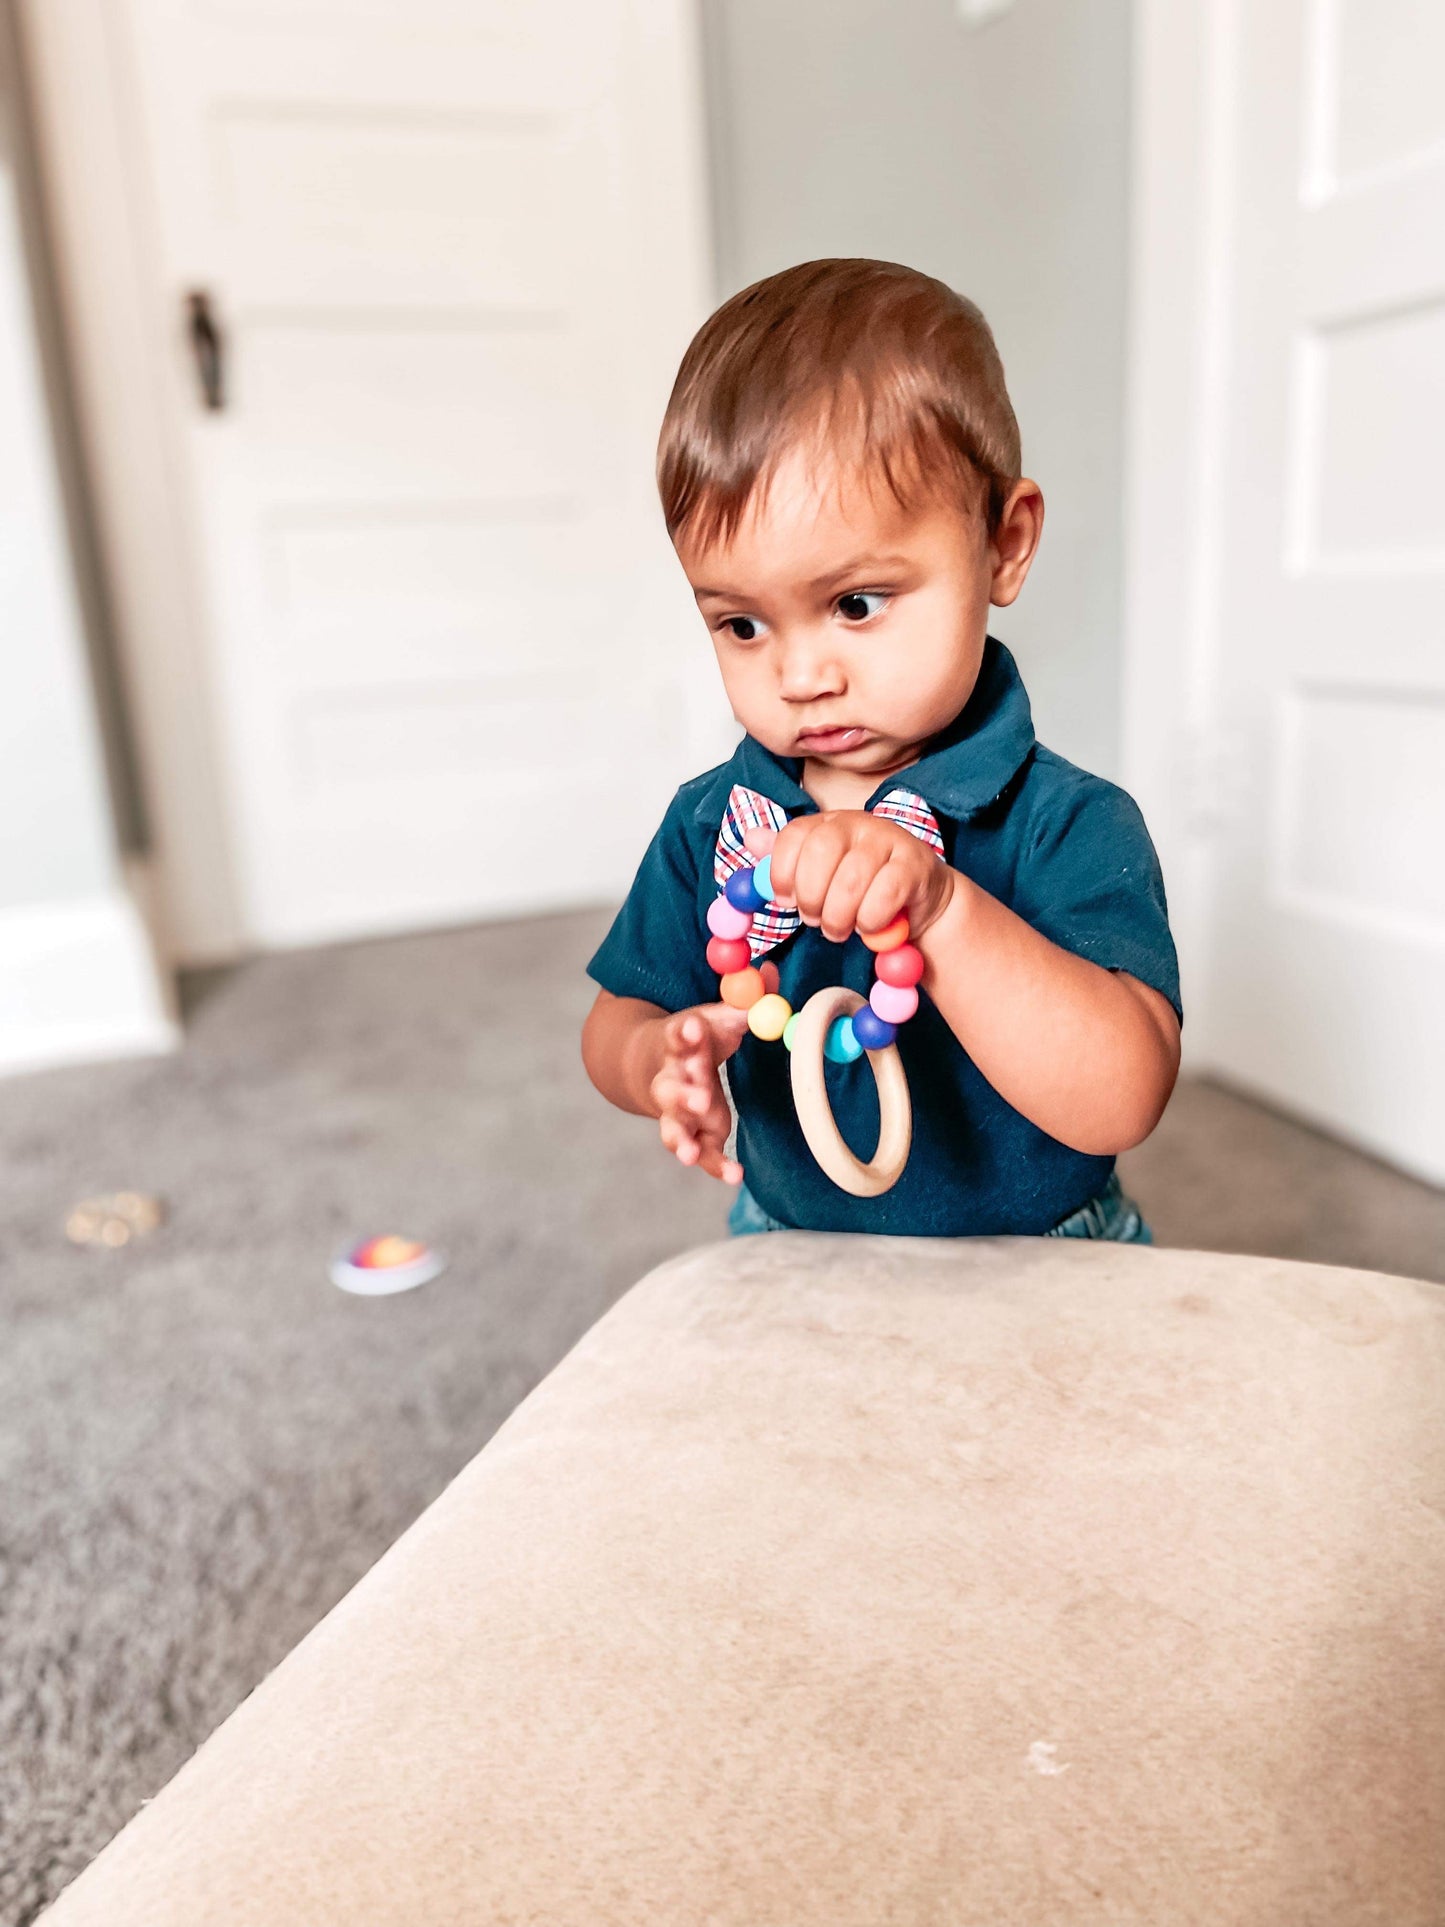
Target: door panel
446,633
1327,951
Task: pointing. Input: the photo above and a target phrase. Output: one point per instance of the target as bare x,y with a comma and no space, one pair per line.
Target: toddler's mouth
832,742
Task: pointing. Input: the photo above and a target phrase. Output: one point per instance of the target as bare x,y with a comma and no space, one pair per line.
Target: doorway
374,311
1286,681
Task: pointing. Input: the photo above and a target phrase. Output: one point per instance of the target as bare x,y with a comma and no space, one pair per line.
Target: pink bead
759,841
725,921
894,1003
726,954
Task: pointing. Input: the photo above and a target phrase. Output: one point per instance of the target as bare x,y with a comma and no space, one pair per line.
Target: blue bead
841,1043
741,892
763,879
870,1029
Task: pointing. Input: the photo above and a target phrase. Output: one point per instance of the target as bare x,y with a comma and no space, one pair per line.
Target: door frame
121,356
1176,425
125,346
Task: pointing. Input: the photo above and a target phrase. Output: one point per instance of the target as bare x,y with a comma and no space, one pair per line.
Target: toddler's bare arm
1089,1055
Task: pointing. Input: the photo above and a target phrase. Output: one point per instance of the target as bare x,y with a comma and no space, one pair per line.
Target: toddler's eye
859,604
742,628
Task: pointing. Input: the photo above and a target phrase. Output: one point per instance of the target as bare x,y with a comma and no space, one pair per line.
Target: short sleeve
657,946
1090,881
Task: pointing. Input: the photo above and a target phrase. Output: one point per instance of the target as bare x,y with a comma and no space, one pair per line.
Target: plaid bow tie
750,810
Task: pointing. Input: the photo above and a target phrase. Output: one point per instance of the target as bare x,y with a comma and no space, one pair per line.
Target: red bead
726,954
903,966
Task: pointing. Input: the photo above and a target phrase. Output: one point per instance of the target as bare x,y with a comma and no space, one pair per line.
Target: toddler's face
848,630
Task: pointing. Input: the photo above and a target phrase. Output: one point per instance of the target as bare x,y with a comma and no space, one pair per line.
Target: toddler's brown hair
889,362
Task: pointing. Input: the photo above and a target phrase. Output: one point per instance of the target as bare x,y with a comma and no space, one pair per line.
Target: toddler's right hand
692,1111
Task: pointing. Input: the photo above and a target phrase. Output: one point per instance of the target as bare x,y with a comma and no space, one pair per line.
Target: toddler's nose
808,669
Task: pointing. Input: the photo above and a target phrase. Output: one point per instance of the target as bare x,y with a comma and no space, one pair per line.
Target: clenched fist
846,870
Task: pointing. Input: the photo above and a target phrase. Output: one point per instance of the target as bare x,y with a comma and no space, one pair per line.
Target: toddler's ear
1014,543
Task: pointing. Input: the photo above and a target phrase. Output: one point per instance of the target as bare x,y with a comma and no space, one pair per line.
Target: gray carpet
203,1444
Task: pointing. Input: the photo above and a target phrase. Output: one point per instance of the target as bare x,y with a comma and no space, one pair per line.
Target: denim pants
1111,1215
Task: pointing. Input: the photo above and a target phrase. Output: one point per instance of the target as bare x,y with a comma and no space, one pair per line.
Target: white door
1325,967
452,250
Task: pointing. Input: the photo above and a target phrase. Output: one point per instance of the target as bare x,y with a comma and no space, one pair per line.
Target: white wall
55,838
76,973
997,159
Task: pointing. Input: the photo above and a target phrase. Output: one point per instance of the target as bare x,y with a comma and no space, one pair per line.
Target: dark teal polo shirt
1065,850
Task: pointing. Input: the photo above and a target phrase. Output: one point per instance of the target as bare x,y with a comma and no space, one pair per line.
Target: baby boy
840,473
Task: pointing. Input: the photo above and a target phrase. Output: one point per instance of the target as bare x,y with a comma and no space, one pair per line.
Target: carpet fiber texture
203,1444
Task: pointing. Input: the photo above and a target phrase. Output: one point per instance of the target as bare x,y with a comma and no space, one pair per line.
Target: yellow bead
768,1017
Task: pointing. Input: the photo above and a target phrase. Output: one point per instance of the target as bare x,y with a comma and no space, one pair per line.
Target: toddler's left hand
846,870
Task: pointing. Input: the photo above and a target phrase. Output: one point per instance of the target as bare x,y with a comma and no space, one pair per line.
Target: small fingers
698,1040
712,1138
683,1033
718,1165
686,1148
703,1147
717,1120
679,1098
726,1029
884,898
785,855
851,882
817,864
687,1052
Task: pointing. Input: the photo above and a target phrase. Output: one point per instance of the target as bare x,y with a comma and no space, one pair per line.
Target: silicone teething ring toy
825,1026
815,1114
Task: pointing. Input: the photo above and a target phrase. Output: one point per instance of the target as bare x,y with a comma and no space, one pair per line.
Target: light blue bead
841,1044
763,879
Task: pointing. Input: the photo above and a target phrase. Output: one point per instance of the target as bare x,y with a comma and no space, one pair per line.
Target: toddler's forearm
623,1049
1089,1055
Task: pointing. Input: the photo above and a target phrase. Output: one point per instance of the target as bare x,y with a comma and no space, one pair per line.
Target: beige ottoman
857,1581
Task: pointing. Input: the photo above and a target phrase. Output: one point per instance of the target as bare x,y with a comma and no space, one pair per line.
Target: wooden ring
815,1113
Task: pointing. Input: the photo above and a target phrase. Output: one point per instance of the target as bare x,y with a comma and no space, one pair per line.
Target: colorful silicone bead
742,892
724,919
771,979
763,879
894,1003
889,939
759,840
902,966
742,988
870,1029
768,1017
790,1029
841,1044
725,954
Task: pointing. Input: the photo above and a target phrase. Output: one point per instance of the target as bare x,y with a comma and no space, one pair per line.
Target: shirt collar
971,762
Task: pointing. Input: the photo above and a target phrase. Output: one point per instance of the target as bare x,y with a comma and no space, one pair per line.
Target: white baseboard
78,983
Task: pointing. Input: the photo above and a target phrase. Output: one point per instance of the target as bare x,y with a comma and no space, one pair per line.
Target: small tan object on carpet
856,1581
